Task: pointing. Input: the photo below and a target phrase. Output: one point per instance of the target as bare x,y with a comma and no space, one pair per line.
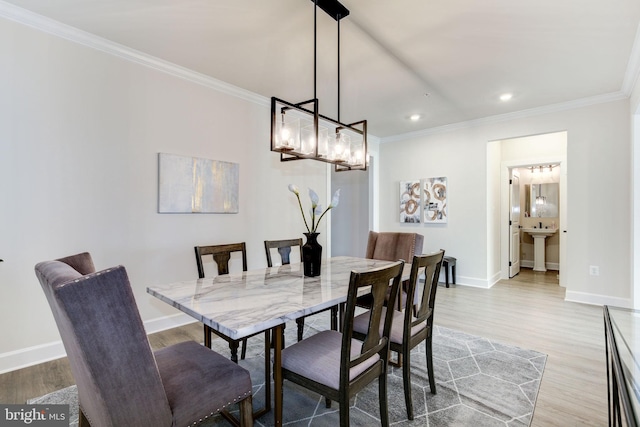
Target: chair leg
406,379
233,346
244,349
382,397
82,419
344,410
446,274
334,318
246,412
327,402
429,353
300,322
284,327
207,336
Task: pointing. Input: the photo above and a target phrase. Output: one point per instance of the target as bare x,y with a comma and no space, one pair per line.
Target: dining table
242,304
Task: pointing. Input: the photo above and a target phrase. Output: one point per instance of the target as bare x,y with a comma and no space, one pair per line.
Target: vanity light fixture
299,131
541,168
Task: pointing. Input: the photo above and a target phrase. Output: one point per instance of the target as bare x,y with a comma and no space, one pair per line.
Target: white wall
598,150
635,182
79,135
463,162
350,220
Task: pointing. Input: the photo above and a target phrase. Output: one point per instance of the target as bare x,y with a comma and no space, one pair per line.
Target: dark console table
622,338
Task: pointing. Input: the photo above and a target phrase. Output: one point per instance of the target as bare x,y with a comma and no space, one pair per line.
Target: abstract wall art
410,201
194,185
434,200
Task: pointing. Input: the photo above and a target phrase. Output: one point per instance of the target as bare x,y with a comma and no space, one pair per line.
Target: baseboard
168,322
526,263
472,282
30,356
549,265
35,355
595,299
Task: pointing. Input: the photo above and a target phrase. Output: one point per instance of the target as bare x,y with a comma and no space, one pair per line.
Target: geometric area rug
479,383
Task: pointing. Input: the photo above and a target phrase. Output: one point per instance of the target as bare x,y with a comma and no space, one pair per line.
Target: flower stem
302,212
323,213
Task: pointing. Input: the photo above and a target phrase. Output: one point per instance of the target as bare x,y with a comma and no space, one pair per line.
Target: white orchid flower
314,198
335,200
316,208
294,189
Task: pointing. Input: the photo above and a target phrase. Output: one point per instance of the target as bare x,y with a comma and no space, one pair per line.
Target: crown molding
50,26
551,108
633,66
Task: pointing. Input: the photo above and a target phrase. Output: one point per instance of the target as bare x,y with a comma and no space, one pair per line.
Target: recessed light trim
506,96
415,117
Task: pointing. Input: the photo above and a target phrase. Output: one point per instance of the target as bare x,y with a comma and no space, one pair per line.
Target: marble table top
241,304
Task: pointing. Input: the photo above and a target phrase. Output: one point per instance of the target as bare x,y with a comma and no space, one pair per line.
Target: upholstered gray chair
121,381
415,324
392,246
336,365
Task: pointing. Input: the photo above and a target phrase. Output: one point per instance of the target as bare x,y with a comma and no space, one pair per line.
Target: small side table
447,262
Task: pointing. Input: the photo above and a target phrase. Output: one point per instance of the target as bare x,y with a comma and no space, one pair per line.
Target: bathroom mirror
541,200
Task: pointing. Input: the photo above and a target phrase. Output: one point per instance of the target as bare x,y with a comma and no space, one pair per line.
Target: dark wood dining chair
415,324
284,249
337,366
120,380
222,255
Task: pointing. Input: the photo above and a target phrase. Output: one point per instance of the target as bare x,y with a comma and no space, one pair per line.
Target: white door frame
514,225
505,210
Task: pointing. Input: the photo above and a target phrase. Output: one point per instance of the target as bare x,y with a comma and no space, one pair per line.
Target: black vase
312,255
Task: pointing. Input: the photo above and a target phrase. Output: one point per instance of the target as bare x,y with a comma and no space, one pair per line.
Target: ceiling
447,60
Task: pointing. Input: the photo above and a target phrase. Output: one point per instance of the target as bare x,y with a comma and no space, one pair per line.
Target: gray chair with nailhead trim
120,380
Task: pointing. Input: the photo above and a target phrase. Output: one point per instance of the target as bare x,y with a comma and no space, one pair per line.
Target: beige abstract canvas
195,185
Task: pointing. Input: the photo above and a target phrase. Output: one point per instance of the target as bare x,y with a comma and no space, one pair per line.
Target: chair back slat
284,249
422,310
221,255
379,280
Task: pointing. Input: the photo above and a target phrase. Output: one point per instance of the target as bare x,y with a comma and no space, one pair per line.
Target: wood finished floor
528,311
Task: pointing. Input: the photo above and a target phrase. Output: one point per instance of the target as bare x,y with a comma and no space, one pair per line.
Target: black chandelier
299,131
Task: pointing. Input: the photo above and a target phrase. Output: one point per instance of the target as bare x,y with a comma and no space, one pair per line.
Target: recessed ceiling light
506,96
415,117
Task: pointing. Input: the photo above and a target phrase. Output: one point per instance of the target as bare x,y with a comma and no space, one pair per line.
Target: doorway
538,159
534,218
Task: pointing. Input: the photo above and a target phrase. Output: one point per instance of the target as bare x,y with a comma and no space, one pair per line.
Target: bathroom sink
546,232
539,236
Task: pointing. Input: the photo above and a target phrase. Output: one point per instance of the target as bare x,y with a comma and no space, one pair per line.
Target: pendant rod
315,48
339,67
